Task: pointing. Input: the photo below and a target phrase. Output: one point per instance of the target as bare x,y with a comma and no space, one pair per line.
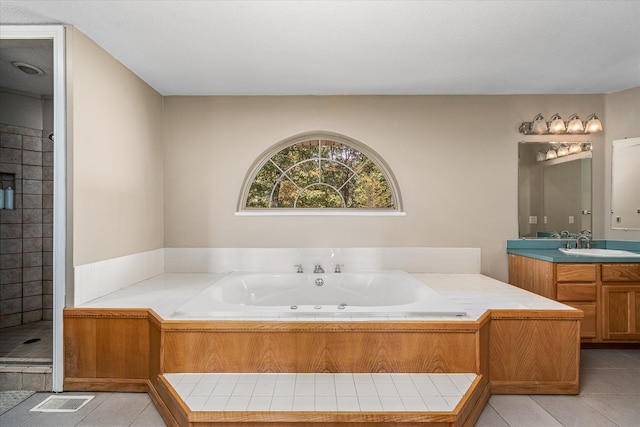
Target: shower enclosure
29,116
26,231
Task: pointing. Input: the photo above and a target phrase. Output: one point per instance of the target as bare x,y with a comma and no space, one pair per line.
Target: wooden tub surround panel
106,350
535,355
510,351
321,347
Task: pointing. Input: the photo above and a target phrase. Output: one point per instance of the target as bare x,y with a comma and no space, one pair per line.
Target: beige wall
455,159
622,118
115,156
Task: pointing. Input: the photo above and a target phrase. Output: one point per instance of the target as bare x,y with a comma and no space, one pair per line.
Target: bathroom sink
600,252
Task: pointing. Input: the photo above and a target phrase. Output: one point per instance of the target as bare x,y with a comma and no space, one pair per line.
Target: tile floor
609,396
105,409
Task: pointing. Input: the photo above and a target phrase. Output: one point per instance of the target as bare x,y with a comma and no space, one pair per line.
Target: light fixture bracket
525,129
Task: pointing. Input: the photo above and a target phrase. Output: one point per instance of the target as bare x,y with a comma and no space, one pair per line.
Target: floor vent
62,403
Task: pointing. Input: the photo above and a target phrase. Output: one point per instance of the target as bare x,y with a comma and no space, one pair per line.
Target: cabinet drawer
588,323
621,272
576,272
576,292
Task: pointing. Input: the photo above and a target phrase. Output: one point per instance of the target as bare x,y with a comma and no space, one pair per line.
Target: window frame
265,156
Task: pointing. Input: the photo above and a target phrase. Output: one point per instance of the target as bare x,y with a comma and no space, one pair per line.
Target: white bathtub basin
600,252
379,293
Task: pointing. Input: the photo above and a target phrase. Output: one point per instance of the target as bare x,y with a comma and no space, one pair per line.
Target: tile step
31,378
295,392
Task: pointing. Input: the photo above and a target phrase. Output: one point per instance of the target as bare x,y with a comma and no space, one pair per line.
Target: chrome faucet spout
583,237
318,269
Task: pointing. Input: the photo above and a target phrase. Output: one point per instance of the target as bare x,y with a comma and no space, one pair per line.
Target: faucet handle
300,270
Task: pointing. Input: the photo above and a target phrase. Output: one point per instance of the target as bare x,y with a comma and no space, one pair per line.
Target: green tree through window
319,172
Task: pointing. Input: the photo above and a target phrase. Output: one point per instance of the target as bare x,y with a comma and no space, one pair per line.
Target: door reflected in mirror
625,184
554,189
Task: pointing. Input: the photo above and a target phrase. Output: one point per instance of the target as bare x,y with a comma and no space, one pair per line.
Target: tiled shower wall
26,232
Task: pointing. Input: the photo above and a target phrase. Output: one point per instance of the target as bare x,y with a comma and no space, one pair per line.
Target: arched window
319,173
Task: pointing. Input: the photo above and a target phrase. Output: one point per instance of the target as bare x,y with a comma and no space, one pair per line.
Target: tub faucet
583,237
318,269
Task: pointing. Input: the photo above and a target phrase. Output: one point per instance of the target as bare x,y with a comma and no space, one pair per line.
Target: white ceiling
360,47
34,52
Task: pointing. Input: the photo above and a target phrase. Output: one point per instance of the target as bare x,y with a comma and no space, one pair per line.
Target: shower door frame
56,33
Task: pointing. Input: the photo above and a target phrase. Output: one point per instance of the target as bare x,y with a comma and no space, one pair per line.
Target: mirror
554,189
625,184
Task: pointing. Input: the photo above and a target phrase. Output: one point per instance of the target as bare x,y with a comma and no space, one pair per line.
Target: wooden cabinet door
621,312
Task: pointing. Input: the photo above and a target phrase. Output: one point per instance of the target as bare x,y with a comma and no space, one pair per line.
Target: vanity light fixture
551,154
575,125
557,126
563,151
593,124
539,125
575,148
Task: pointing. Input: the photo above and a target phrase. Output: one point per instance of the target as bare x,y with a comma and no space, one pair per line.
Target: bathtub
379,293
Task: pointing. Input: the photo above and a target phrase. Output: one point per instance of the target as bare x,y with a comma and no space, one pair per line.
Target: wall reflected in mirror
625,184
554,189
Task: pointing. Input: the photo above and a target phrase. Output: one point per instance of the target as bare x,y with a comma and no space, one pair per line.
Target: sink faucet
338,268
564,233
299,270
318,269
583,237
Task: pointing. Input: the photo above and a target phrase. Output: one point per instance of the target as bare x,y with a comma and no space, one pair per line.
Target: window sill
319,212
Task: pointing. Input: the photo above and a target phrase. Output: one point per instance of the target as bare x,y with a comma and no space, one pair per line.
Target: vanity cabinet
607,293
621,302
576,285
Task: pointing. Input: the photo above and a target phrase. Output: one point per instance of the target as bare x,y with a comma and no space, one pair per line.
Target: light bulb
563,151
575,124
557,124
593,124
539,125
